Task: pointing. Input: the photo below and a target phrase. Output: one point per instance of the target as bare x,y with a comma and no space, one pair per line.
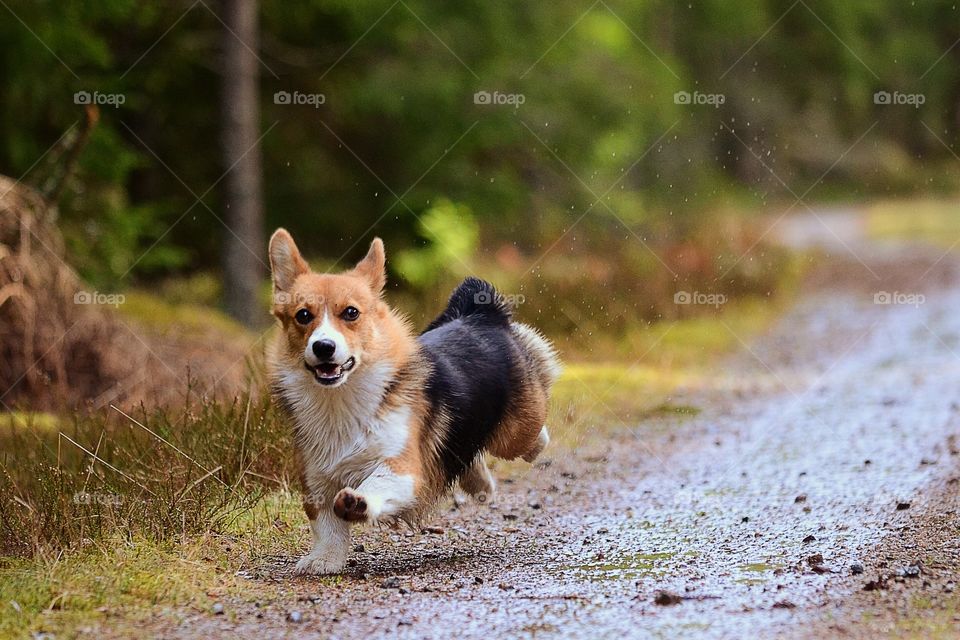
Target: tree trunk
243,189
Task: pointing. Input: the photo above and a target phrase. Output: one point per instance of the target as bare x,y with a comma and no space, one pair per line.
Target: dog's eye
303,316
350,313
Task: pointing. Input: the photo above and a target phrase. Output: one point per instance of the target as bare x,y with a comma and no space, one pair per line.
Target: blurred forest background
594,159
590,159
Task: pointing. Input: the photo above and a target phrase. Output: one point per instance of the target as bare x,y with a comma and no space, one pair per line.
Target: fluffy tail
541,356
478,299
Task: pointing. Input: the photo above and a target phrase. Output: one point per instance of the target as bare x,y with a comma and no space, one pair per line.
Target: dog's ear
286,263
373,267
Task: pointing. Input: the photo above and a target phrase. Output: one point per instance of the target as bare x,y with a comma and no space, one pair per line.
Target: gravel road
822,461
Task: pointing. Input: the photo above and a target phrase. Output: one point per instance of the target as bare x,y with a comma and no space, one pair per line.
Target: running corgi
384,421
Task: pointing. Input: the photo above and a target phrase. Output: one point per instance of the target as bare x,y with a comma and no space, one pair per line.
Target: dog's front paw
315,564
350,506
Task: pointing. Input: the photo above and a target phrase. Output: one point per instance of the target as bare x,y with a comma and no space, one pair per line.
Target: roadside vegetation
116,511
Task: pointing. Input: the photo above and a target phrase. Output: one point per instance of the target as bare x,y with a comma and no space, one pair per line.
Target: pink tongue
328,368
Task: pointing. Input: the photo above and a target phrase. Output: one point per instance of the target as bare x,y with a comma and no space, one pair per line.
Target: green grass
933,221
592,397
154,312
120,582
33,420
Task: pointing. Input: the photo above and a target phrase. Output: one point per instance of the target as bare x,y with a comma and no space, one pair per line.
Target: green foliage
399,125
451,234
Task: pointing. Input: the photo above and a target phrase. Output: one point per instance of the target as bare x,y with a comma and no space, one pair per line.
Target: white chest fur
340,437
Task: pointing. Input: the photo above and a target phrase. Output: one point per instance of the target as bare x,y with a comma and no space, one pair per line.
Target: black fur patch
476,298
475,366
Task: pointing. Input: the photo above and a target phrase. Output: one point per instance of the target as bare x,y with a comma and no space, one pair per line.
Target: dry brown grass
151,474
58,351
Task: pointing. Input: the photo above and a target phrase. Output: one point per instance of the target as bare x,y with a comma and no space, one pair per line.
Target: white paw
315,564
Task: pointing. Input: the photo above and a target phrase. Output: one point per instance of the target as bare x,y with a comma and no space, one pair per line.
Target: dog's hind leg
522,434
478,481
543,439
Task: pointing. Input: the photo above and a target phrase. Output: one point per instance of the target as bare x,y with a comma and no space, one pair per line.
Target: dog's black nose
324,349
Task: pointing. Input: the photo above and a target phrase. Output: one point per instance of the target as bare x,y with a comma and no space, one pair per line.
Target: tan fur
420,457
519,431
520,428
411,459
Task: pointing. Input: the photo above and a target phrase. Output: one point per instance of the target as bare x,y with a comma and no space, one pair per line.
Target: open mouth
330,372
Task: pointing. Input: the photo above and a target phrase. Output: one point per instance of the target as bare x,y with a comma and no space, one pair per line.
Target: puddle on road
757,572
760,567
625,567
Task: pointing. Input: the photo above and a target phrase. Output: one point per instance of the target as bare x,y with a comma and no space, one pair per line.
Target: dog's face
329,320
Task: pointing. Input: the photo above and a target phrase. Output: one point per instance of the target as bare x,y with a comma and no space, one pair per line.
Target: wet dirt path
819,442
